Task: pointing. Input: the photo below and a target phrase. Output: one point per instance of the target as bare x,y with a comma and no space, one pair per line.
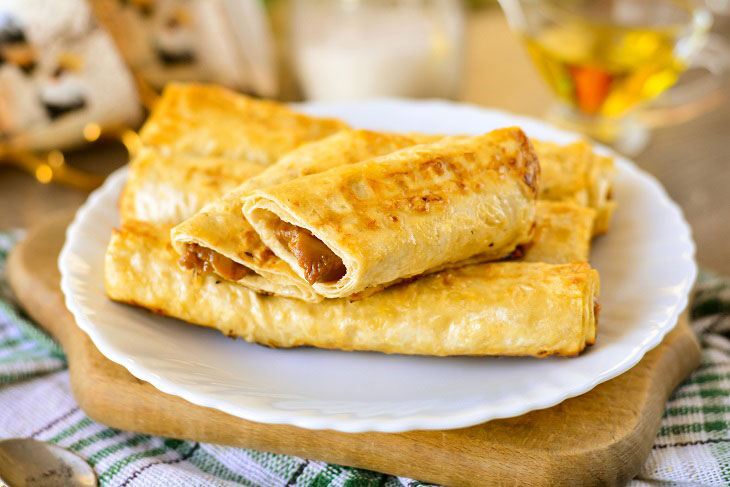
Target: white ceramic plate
646,264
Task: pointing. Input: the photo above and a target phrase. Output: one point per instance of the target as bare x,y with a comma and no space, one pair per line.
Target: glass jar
350,49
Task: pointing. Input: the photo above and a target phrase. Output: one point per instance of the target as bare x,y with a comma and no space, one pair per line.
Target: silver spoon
25,462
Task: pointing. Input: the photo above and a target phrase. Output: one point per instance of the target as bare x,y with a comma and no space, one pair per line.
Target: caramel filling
320,264
201,259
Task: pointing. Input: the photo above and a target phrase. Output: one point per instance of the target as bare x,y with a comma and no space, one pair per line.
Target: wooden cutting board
600,438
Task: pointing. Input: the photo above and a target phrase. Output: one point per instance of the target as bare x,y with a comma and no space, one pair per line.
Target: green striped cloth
692,448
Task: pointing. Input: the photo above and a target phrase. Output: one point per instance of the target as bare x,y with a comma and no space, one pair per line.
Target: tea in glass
605,59
603,69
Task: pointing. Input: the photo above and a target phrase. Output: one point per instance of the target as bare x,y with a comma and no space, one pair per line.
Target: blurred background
648,77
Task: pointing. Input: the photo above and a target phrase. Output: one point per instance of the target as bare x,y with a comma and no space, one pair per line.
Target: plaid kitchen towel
692,448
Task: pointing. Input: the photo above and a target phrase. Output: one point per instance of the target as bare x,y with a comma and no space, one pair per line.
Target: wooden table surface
692,160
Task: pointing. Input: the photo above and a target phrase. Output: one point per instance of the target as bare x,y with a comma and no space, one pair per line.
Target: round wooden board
599,438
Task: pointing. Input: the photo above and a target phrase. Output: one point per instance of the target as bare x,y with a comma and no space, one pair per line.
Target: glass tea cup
615,65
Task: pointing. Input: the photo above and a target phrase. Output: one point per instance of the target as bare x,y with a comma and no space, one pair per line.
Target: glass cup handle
691,98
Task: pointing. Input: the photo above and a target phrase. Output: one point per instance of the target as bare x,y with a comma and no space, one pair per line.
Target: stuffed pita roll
562,232
504,308
212,121
220,240
167,189
417,209
577,174
201,141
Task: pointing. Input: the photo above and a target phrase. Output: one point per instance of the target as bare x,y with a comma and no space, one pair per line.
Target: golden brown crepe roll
505,308
399,215
575,173
220,238
221,234
167,189
209,120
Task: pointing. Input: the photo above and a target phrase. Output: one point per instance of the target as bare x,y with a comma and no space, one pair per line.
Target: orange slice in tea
591,87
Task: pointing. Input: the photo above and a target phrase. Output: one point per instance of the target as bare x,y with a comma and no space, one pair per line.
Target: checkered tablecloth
692,448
